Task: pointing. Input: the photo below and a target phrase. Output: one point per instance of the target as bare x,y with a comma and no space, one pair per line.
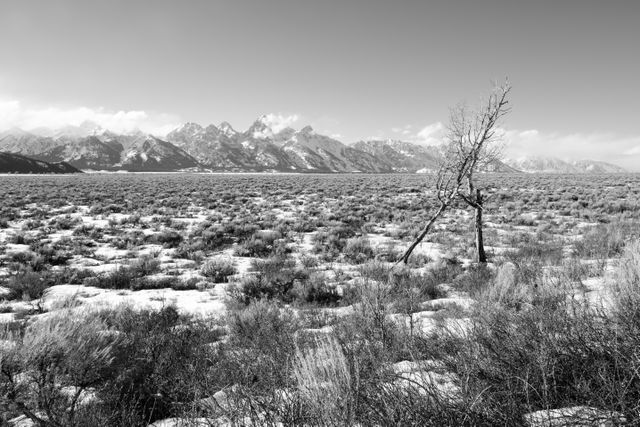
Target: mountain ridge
548,164
263,147
17,163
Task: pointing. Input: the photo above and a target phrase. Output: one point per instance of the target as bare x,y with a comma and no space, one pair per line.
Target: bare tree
471,144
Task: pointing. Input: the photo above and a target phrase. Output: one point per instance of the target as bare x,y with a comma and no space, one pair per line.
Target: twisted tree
471,144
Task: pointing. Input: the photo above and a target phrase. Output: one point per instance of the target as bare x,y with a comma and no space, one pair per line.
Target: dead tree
471,144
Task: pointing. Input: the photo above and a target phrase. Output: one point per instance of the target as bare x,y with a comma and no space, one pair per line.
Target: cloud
532,133
431,134
633,151
278,122
13,113
604,146
608,147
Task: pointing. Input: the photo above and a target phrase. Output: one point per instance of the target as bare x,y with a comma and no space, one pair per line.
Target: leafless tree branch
472,143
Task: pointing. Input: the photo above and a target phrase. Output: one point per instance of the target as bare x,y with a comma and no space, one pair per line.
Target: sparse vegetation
308,323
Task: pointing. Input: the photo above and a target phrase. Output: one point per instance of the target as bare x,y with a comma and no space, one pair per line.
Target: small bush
261,346
58,352
169,239
316,290
146,265
274,279
358,250
28,285
260,245
218,269
120,278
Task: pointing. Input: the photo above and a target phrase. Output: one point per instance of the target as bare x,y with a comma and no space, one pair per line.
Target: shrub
605,241
534,348
261,244
274,279
28,285
193,250
120,278
31,260
218,269
58,353
506,290
358,250
260,346
169,239
475,279
331,243
316,290
159,365
65,222
52,255
146,265
309,261
543,252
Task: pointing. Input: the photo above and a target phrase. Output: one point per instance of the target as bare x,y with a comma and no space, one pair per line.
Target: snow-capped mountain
213,147
100,150
402,156
26,143
594,166
155,155
264,146
83,153
540,164
309,150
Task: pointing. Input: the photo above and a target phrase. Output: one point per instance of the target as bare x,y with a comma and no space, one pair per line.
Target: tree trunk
405,257
481,255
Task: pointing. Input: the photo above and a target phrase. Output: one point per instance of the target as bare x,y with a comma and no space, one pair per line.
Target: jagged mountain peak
190,128
260,129
266,146
307,130
227,129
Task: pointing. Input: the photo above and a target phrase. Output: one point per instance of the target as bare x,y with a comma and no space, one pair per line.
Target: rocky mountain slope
16,163
402,156
19,141
155,155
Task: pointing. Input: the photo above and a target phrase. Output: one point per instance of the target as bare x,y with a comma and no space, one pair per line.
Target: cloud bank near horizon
14,114
605,146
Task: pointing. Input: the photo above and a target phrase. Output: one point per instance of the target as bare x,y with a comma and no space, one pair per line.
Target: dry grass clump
514,288
626,283
324,382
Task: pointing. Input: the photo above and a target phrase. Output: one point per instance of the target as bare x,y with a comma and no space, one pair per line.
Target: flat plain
276,299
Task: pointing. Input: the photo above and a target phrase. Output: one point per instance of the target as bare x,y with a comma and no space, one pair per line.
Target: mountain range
260,148
537,164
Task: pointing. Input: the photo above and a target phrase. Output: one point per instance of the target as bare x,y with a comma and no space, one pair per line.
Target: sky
352,69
